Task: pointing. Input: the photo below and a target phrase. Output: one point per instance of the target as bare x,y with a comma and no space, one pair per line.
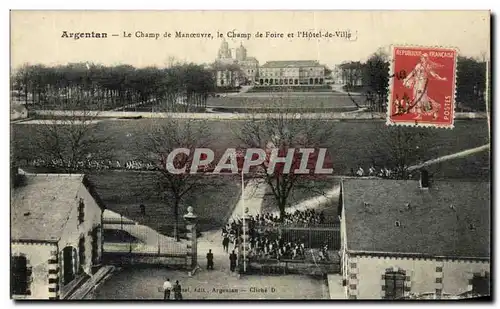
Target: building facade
402,239
56,234
292,73
231,71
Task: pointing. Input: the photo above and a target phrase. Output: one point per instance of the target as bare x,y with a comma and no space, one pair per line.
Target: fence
316,258
126,242
311,236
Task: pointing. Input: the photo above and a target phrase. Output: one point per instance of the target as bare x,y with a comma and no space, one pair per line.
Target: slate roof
451,218
40,207
291,64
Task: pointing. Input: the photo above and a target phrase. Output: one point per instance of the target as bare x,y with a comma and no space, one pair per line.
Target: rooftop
41,206
396,216
291,64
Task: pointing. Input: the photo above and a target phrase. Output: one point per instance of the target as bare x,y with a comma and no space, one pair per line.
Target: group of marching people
373,172
136,165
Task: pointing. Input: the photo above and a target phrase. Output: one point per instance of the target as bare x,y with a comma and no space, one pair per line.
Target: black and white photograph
250,155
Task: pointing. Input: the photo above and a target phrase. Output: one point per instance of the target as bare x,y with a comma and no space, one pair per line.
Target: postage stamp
422,86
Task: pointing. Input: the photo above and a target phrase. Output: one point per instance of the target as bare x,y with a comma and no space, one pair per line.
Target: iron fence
311,236
318,245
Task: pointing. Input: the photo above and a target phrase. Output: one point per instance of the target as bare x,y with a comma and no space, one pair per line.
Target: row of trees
97,87
372,77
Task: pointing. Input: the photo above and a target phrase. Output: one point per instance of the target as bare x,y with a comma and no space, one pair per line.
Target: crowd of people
265,242
95,164
373,172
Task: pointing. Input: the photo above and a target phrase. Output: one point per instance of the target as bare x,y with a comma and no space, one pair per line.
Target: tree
84,86
471,83
70,143
400,147
285,131
376,80
166,136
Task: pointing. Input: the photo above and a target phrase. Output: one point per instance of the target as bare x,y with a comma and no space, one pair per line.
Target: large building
411,239
55,234
233,71
292,73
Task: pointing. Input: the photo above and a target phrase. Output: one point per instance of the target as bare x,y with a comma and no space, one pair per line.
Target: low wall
144,259
294,267
230,116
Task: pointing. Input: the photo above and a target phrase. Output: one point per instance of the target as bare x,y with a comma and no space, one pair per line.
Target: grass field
303,88
354,143
254,100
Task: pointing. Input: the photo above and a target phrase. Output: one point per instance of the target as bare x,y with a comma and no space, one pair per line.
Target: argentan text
84,35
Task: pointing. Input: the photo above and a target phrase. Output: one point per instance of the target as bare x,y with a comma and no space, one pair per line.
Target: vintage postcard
215,155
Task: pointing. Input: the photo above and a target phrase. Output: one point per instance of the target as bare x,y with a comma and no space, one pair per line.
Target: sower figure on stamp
177,291
210,260
418,79
167,288
232,261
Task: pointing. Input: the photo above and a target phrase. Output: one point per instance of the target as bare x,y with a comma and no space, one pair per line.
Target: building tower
224,51
241,53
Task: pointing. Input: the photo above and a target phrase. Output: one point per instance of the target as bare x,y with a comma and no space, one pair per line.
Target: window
20,275
481,284
394,284
81,253
81,211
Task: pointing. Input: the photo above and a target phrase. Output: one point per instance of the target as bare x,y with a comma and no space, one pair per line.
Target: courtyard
220,283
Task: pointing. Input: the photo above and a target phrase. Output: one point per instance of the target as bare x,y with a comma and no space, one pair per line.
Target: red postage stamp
422,86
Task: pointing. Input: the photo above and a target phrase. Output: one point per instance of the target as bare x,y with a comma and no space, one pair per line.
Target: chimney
424,179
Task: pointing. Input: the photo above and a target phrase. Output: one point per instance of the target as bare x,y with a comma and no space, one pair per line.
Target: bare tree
170,134
70,143
284,130
402,147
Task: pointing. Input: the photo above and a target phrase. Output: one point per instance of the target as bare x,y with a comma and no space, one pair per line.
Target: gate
126,242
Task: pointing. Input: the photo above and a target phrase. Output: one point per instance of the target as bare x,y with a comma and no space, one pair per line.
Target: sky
36,36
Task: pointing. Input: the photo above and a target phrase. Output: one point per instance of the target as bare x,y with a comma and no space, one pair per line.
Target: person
360,172
167,288
232,261
417,80
177,291
225,243
210,260
143,209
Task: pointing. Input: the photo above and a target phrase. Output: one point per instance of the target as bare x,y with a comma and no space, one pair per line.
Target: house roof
41,206
291,64
437,221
